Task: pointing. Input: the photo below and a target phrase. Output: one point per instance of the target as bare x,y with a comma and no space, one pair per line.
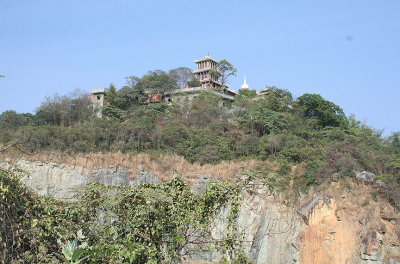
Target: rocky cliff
338,223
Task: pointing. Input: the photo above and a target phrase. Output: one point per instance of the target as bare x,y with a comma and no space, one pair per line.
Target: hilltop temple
204,66
202,73
208,83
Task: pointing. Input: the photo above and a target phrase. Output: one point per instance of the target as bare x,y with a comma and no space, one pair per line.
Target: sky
348,51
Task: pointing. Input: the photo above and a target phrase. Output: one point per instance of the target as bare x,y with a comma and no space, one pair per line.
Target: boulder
370,178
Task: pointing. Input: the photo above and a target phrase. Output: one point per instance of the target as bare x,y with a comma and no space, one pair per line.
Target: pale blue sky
348,51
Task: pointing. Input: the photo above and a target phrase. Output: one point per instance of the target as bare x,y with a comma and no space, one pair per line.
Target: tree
248,93
129,96
181,76
156,82
65,110
137,90
394,143
278,99
278,92
325,112
131,81
194,83
12,120
245,98
111,94
263,120
112,111
223,71
204,109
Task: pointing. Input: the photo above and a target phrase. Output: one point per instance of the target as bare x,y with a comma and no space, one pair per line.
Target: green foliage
263,120
245,98
141,224
128,97
223,71
277,99
65,110
30,225
73,253
324,111
156,82
270,145
204,109
182,76
12,120
112,111
205,129
111,94
137,90
247,93
194,83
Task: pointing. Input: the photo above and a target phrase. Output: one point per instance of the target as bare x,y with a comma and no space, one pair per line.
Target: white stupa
245,86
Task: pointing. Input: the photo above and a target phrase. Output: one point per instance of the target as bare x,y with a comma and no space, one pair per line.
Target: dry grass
164,167
298,170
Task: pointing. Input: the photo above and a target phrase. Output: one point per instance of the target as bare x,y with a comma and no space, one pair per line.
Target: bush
141,224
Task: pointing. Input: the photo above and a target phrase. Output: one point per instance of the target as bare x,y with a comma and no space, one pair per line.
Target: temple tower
202,72
244,86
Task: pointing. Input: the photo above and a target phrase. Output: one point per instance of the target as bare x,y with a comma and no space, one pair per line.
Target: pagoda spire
245,86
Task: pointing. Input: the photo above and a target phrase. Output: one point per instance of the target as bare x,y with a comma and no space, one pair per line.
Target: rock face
370,246
320,229
272,229
65,181
326,238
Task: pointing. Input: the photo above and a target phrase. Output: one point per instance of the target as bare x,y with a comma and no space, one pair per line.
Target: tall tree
129,96
262,120
194,83
223,71
111,94
277,99
12,120
181,76
65,110
324,111
156,82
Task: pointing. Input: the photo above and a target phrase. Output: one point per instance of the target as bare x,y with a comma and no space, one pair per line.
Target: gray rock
64,181
371,246
370,178
145,177
47,179
200,185
366,176
394,261
112,177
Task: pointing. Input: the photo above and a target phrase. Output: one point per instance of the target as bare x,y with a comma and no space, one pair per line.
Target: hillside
264,179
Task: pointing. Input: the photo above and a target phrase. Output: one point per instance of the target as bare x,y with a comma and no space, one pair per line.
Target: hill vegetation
153,223
148,223
274,126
